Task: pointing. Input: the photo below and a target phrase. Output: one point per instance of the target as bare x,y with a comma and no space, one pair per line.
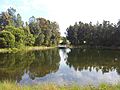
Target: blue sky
25,7
66,12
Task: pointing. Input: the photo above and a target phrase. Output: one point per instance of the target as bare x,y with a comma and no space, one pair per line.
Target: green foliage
105,34
38,32
7,39
45,32
4,17
19,35
34,28
3,43
39,40
10,18
64,40
29,40
19,22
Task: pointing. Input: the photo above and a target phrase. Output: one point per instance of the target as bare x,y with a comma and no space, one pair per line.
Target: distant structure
63,43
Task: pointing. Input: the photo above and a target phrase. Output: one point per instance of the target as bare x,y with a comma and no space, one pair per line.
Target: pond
62,66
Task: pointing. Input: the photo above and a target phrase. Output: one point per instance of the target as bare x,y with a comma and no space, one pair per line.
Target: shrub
29,40
19,35
7,39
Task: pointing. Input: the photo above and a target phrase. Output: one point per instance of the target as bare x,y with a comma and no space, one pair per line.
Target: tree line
99,34
15,33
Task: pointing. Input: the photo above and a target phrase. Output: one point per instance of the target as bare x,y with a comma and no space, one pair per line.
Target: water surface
62,66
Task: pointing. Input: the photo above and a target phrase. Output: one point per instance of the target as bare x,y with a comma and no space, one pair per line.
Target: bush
29,40
2,42
19,35
7,39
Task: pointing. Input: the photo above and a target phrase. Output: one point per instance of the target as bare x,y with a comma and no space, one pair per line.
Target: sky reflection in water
67,74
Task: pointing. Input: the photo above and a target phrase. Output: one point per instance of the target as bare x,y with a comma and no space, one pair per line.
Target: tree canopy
38,31
104,34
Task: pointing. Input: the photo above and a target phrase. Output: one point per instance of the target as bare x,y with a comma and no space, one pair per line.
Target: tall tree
19,22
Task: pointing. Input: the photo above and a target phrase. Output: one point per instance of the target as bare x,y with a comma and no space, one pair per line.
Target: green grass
6,85
14,50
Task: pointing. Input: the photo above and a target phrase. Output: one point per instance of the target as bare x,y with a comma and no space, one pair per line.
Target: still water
62,66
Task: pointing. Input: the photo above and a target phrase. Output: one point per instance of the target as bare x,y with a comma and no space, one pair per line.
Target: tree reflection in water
89,59
37,63
61,66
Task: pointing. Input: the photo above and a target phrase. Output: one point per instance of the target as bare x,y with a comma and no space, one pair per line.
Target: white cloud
67,12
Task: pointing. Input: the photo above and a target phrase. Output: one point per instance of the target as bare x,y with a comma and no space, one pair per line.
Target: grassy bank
14,50
12,86
95,47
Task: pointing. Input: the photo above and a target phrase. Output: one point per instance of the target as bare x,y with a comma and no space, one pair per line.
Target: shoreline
30,48
96,47
14,50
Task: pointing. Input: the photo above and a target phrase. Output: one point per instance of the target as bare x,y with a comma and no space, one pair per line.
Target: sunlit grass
38,48
14,50
7,85
5,50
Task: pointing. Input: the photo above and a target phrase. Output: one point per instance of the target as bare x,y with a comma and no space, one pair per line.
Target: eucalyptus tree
34,27
4,20
19,22
39,31
104,34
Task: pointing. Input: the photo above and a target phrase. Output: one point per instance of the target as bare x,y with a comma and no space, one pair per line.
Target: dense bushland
105,34
14,33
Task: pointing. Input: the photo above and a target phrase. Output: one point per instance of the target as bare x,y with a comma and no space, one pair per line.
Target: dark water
62,66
